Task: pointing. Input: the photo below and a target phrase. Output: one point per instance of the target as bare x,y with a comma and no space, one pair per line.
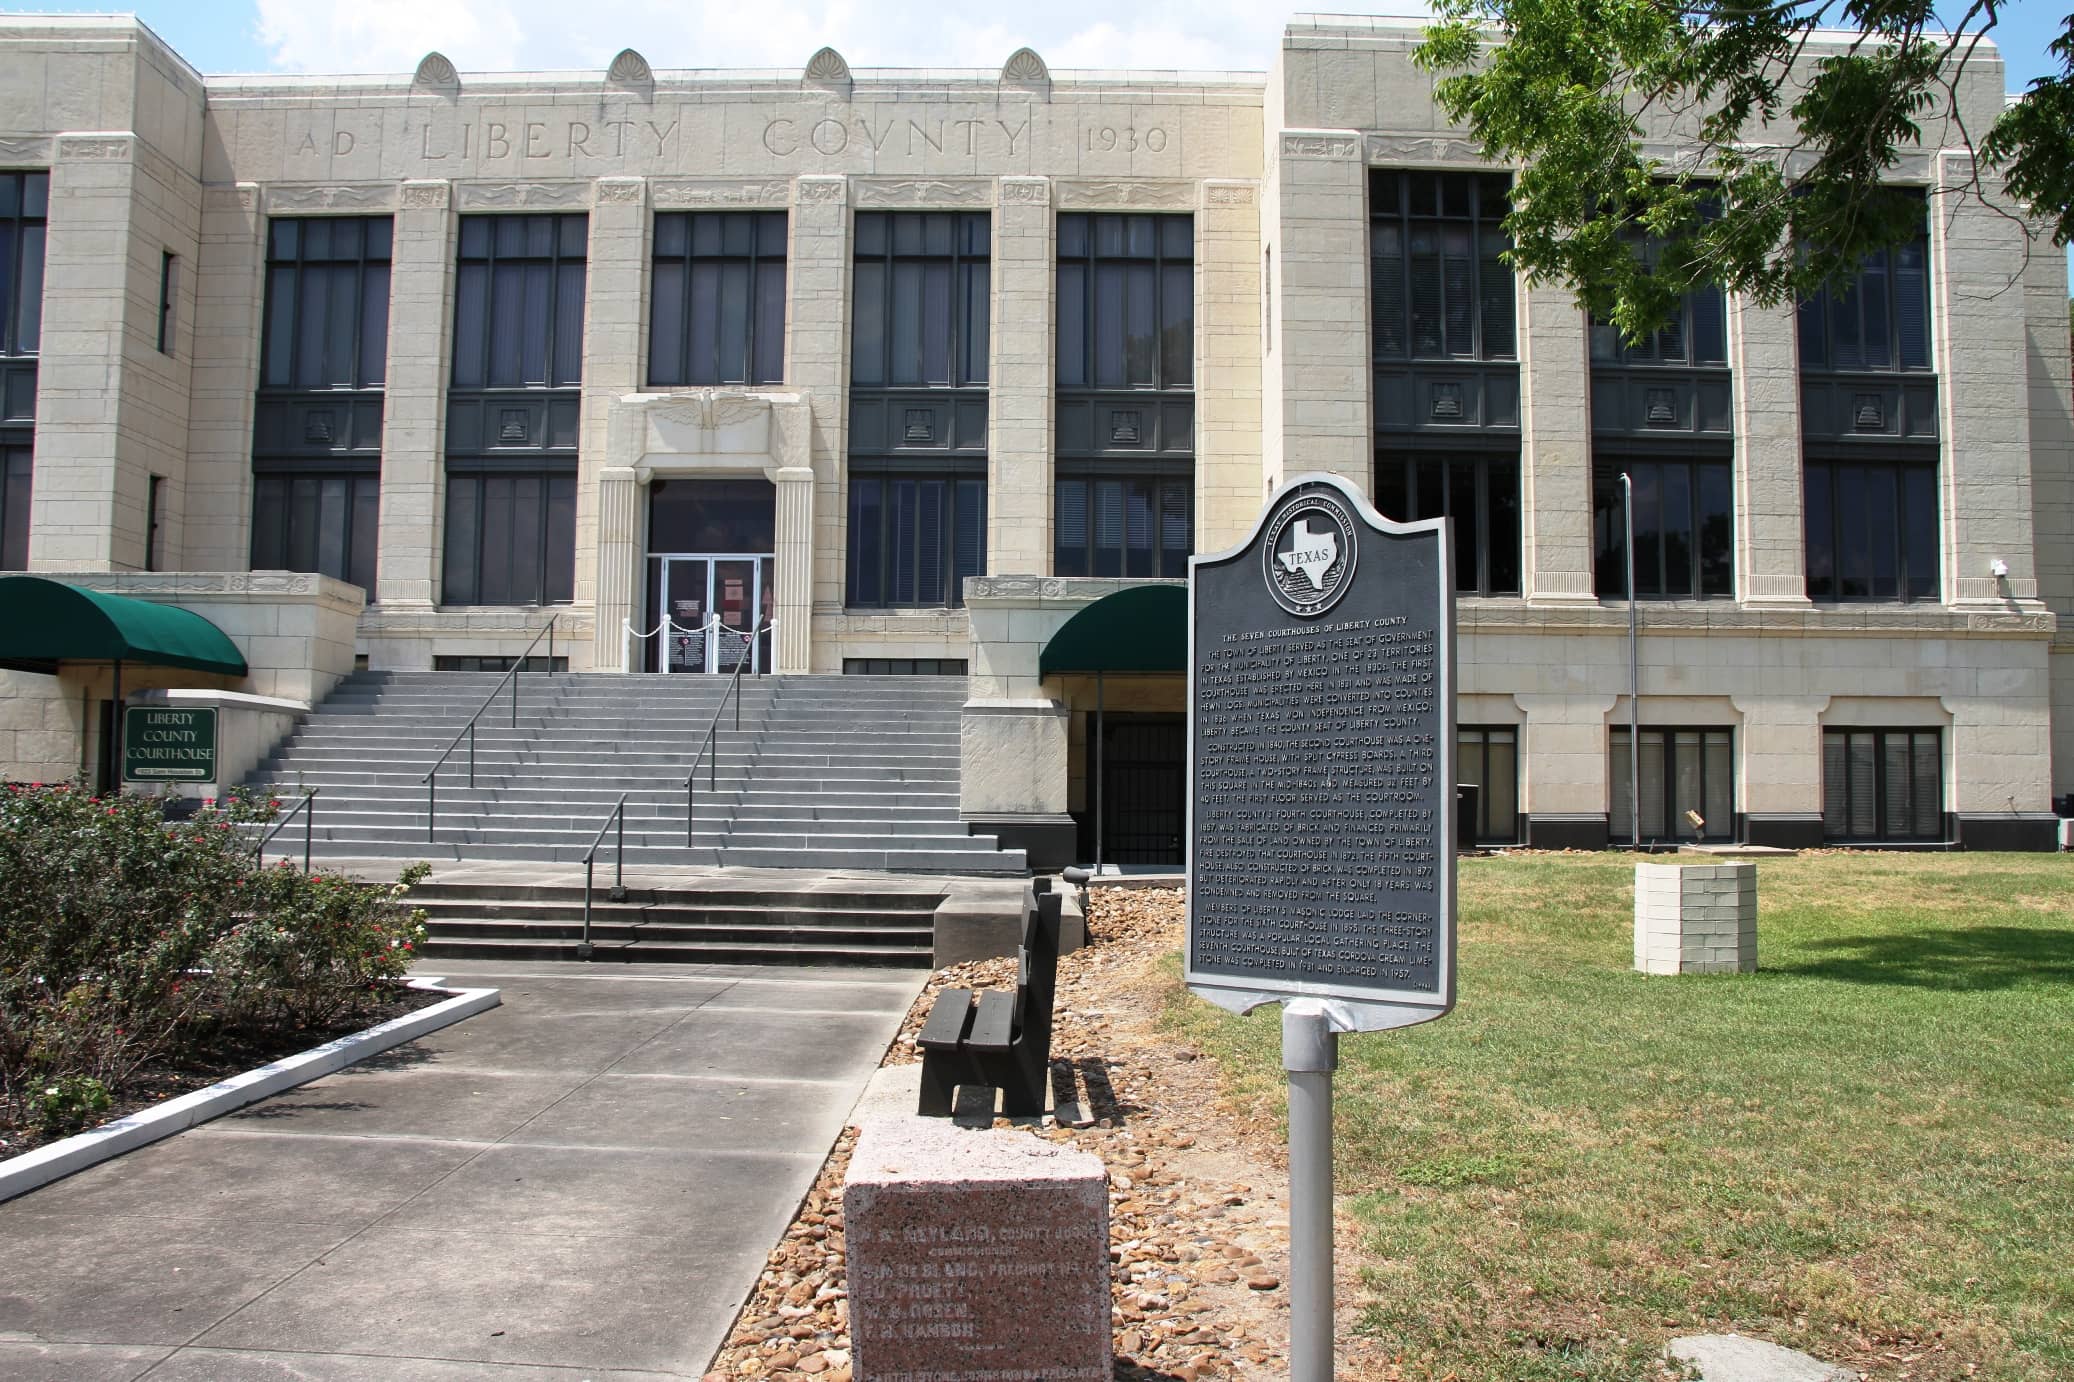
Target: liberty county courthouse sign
165,744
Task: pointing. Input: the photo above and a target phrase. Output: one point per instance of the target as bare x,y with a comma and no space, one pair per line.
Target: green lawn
1865,1150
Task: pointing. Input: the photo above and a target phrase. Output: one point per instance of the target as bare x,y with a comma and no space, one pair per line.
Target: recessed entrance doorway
711,582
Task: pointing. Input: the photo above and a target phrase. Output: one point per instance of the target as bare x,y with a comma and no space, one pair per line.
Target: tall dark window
1124,494
154,523
1882,784
1445,368
317,427
327,303
1875,319
24,206
920,315
914,538
1440,290
918,407
1683,770
518,302
1661,410
167,286
1870,442
1872,530
14,508
1126,302
24,209
316,521
512,411
717,304
1123,527
510,538
1481,493
1697,333
1684,529
1489,758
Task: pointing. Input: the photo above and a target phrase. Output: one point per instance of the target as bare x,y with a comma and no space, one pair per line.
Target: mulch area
1198,1190
224,1053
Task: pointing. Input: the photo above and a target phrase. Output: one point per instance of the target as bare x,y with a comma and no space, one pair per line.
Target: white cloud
505,35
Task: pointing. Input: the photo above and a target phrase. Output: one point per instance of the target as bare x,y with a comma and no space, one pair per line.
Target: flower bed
140,958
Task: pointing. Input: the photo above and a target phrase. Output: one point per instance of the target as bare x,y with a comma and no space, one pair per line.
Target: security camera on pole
1321,862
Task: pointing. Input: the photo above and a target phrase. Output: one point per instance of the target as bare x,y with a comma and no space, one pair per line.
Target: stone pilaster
1564,788
1316,405
421,287
1982,390
229,297
1771,538
1021,372
1779,768
817,364
86,305
1228,487
618,541
1556,445
793,641
614,347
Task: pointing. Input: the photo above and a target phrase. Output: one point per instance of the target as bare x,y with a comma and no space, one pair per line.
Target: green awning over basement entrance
44,623
1140,629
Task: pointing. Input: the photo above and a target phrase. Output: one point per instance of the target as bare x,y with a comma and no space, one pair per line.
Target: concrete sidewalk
583,1182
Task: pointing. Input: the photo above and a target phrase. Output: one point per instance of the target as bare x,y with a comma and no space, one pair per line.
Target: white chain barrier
635,637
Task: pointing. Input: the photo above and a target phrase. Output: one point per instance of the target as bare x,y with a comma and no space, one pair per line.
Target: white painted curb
140,1129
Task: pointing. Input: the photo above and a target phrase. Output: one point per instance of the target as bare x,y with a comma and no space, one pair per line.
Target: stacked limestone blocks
1696,918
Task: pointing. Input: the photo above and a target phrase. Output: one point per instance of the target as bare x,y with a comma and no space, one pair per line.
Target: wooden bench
1003,1039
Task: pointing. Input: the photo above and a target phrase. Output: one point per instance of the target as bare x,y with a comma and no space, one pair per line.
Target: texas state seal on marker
1309,553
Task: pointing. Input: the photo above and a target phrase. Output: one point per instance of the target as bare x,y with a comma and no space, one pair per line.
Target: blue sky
390,35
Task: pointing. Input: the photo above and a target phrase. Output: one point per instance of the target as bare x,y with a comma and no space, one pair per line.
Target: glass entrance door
716,612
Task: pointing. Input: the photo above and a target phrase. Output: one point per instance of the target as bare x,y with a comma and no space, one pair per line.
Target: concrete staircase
853,922
826,772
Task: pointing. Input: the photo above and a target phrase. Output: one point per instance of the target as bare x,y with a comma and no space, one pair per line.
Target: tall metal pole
1627,507
1098,793
1310,1053
120,728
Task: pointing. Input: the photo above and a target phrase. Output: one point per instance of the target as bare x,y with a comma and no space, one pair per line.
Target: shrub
314,944
122,933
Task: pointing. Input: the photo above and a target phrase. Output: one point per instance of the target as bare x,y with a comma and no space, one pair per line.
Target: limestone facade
149,158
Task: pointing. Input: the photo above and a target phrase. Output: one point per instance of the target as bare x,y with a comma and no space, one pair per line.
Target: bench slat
945,1026
991,1026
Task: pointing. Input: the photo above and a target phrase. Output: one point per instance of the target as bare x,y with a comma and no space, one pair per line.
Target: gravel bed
1198,1194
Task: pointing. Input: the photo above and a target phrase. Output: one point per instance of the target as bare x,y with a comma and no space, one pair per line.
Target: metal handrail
734,684
619,871
468,730
307,806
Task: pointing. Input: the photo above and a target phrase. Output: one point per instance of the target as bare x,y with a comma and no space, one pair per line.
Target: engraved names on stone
975,1256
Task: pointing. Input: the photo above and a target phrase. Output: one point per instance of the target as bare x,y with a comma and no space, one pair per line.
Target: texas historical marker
1321,771
1321,741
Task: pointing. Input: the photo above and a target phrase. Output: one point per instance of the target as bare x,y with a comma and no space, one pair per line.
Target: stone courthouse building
915,366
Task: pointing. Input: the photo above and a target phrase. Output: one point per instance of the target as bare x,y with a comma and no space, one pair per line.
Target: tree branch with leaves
1751,144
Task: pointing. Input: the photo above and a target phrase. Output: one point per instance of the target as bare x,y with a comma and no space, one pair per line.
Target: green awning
1143,628
44,623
